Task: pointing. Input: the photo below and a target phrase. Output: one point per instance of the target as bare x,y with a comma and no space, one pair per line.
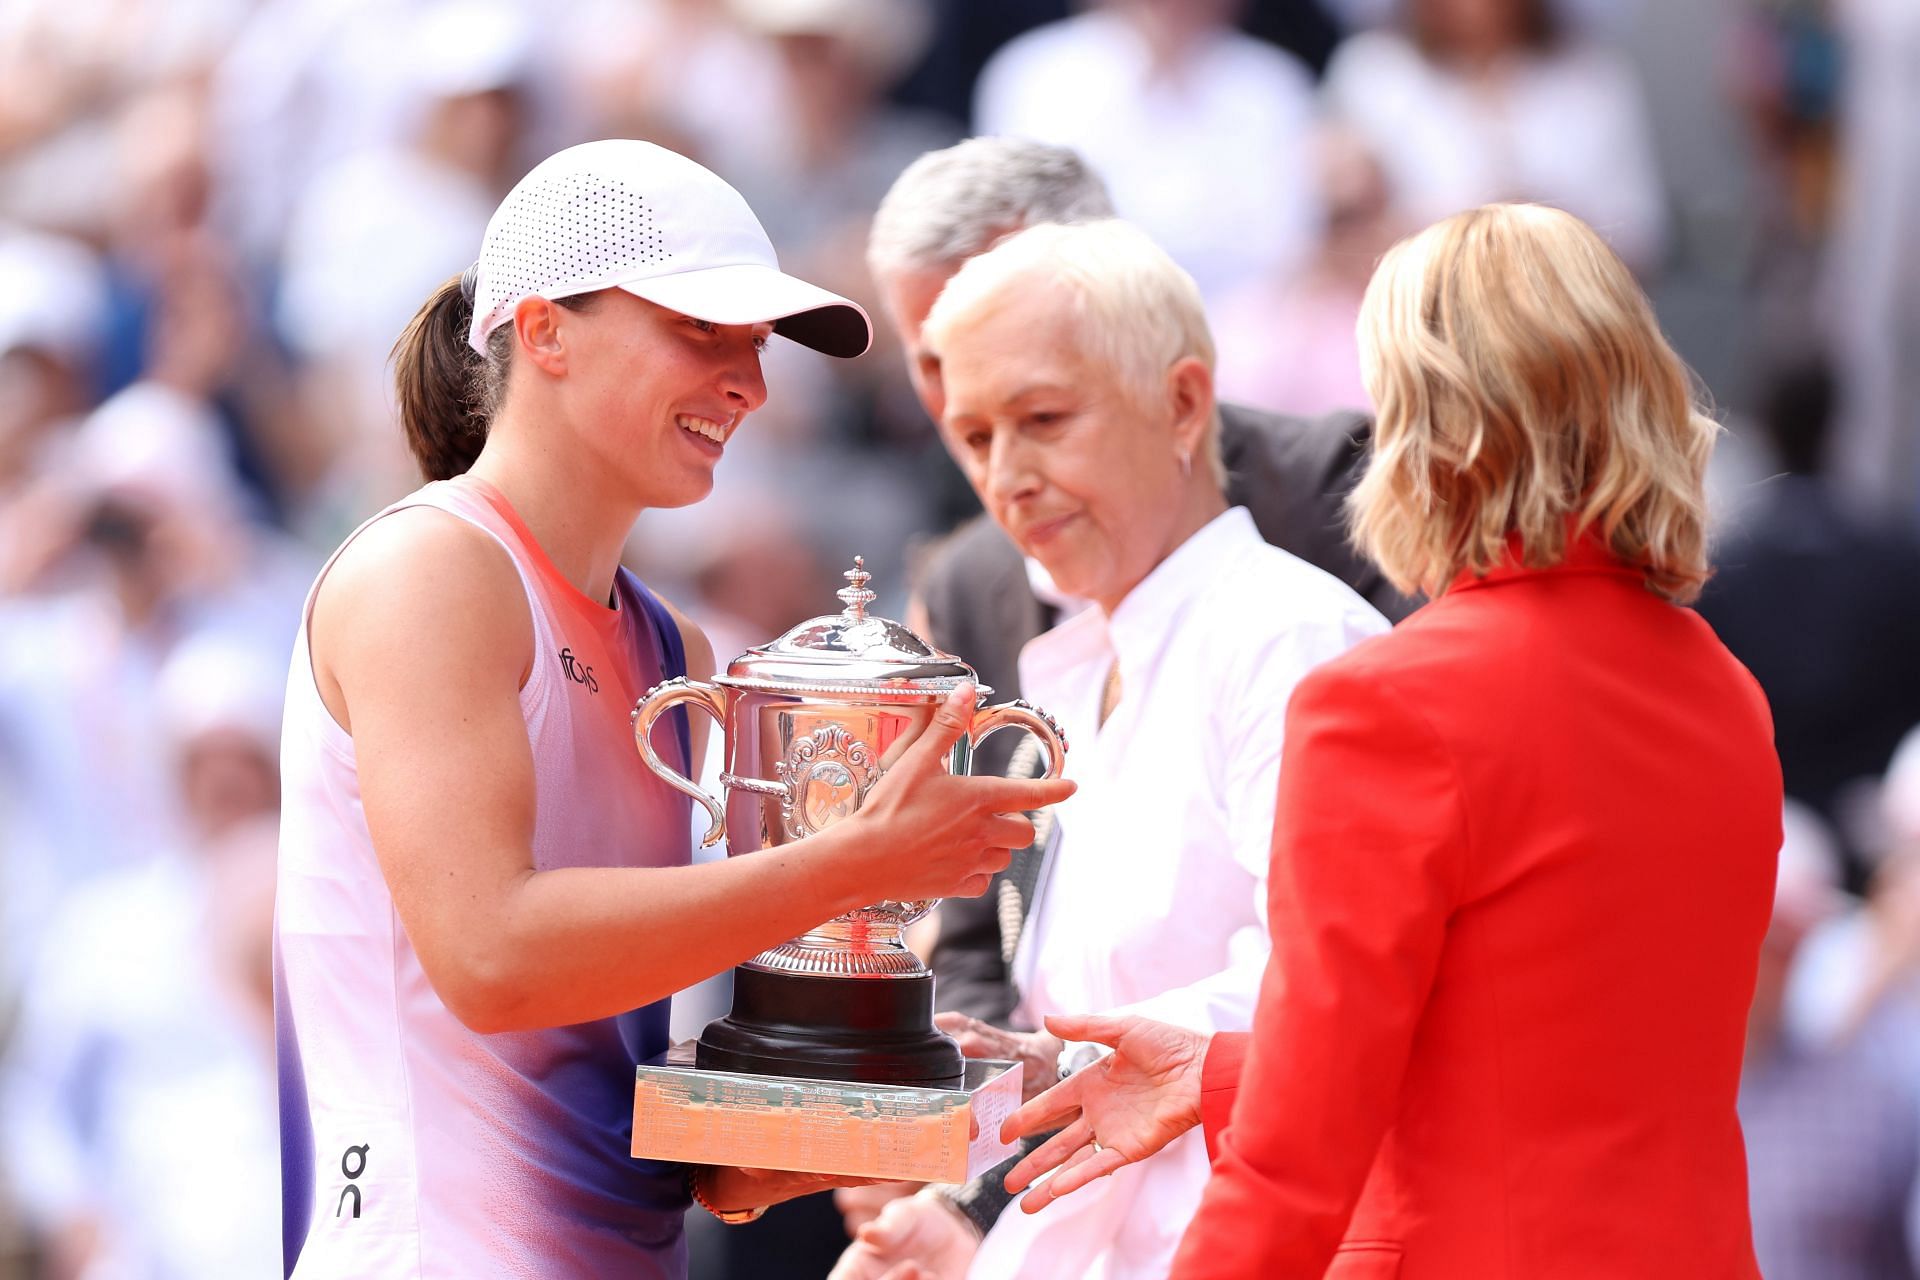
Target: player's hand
730,1188
925,833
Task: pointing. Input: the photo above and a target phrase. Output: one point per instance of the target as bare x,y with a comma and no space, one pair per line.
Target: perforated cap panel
565,229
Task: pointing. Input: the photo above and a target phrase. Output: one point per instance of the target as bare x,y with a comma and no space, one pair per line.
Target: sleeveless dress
410,1145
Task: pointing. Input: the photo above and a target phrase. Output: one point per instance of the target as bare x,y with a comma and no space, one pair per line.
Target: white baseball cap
631,215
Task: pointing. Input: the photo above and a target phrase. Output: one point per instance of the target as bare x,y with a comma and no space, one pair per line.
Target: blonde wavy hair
1522,387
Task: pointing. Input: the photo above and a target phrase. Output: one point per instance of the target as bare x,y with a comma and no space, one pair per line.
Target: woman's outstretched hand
1122,1108
924,833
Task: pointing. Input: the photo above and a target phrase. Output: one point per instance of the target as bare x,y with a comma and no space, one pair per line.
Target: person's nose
743,382
1010,473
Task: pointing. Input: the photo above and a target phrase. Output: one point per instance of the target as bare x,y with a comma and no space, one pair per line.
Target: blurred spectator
1874,289
828,153
1866,962
966,35
968,32
1201,132
1817,600
835,146
1308,29
1832,1126
1475,101
53,314
1288,343
139,1108
136,540
67,66
378,230
649,69
1787,80
309,83
182,314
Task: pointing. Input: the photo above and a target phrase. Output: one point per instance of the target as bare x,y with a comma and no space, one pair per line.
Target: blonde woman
1523,853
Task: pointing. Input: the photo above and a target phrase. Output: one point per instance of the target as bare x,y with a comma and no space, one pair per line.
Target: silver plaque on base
894,1132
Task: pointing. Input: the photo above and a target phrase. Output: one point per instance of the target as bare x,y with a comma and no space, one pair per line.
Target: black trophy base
870,1030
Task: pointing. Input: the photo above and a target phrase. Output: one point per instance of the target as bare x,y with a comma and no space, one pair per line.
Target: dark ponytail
441,383
447,391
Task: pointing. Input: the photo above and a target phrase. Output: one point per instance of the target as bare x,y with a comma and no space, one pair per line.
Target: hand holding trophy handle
671,693
1021,714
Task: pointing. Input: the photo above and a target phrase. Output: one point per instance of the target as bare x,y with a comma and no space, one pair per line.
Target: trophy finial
855,594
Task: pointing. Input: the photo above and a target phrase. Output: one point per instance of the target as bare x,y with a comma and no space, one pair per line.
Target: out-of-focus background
215,217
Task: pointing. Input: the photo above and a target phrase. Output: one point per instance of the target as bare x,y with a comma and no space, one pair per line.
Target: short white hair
954,203
1139,313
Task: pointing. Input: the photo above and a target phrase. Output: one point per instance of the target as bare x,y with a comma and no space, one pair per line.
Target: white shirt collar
1139,626
1134,635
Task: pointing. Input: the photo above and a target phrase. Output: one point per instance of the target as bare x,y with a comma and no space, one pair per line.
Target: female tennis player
485,899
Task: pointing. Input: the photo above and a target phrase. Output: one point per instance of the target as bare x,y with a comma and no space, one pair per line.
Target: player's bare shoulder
419,588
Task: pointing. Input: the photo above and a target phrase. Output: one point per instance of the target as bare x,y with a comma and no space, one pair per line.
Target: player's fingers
1019,795
1009,831
949,724
972,886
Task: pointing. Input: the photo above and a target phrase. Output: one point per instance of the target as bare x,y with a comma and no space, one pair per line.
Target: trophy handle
1021,714
662,697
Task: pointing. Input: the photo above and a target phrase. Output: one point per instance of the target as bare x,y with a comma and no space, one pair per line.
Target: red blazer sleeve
1220,1083
1368,855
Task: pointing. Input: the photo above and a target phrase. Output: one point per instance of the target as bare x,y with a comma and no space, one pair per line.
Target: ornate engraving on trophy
828,774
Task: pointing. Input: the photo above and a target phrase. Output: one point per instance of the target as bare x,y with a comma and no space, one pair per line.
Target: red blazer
1522,863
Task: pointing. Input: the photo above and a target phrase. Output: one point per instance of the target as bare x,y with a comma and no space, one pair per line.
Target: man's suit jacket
1292,474
1523,861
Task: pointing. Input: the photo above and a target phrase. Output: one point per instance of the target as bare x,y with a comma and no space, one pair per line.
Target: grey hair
1138,312
952,204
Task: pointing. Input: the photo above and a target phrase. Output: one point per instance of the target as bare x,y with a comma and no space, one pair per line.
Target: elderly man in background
1078,401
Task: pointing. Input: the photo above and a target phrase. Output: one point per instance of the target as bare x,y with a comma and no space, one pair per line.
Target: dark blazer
1820,604
1523,859
1292,474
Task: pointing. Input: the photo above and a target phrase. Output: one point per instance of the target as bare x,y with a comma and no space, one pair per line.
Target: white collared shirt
1156,900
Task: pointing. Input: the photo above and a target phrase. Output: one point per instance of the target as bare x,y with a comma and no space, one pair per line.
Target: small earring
1186,465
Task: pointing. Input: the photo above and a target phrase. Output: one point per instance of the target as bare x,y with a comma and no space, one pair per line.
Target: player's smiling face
662,393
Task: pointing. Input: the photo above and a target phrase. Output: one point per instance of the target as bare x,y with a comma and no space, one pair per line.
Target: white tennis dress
410,1145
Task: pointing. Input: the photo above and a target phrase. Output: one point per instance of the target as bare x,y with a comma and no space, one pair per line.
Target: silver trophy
810,723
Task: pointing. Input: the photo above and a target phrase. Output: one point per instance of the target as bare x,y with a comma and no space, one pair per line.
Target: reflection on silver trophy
811,722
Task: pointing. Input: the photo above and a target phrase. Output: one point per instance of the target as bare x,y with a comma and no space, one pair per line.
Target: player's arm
422,639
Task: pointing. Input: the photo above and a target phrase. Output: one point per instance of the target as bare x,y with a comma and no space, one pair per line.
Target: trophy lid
850,652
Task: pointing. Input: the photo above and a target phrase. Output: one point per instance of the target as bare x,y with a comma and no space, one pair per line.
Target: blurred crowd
216,217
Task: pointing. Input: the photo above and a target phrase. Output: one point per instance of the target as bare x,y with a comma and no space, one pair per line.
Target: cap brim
750,294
